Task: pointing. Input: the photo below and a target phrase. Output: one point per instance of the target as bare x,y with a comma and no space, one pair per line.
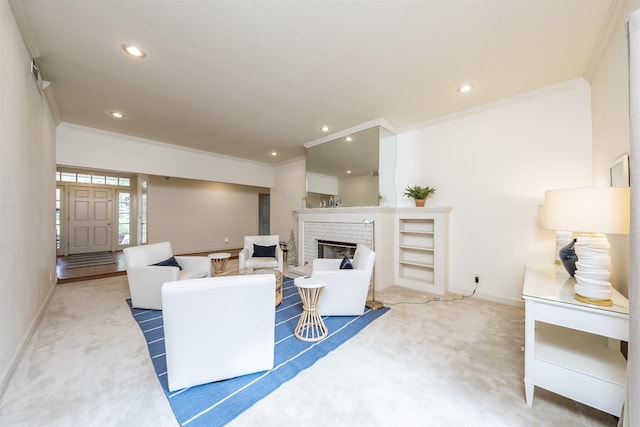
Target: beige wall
197,216
27,197
286,196
610,106
359,190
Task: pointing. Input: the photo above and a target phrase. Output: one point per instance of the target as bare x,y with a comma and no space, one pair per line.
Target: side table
572,348
310,327
219,261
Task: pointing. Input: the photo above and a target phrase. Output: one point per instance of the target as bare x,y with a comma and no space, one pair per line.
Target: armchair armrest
243,255
145,283
326,264
198,263
280,258
333,276
345,292
153,274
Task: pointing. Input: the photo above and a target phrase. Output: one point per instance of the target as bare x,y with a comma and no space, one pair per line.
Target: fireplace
333,249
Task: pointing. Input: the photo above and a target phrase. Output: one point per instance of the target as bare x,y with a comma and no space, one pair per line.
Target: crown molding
357,128
153,142
608,27
29,40
501,103
24,25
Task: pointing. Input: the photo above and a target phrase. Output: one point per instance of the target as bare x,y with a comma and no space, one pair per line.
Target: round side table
310,327
219,261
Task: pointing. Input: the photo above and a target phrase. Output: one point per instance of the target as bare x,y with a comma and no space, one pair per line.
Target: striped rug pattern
89,260
218,403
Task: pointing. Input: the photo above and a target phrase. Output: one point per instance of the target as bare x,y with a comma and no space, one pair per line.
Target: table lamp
591,213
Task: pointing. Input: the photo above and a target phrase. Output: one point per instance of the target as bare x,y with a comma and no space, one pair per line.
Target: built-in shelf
421,249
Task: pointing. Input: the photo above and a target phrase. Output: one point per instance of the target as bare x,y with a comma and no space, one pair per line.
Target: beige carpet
438,364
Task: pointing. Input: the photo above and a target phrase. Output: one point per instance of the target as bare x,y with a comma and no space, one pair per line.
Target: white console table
572,348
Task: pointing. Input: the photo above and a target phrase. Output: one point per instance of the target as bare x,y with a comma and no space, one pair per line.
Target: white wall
286,196
610,106
493,165
27,197
96,149
197,216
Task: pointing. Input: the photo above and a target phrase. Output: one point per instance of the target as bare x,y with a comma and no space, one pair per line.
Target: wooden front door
90,218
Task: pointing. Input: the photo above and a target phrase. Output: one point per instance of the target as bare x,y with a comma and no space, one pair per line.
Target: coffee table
276,273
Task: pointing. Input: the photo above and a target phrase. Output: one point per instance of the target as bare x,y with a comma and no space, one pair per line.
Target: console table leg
528,391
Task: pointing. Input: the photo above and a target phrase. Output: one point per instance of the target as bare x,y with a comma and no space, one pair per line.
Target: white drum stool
310,327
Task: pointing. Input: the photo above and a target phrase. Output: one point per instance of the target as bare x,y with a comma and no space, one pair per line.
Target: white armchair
218,328
146,279
345,292
247,258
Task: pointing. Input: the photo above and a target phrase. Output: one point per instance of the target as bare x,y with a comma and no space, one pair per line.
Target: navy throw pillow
264,251
171,262
346,264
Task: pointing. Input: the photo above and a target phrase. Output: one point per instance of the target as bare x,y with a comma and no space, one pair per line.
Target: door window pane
58,216
96,179
124,217
68,177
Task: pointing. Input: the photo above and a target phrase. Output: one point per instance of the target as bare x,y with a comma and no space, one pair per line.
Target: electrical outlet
477,278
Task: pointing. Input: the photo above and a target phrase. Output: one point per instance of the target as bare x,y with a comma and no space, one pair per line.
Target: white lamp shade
588,210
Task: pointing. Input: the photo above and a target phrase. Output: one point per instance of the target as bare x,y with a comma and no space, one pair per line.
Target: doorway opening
264,214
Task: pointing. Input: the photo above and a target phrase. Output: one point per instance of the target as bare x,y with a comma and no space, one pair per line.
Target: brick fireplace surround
337,224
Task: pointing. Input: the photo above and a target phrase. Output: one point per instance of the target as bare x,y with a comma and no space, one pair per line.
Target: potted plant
419,194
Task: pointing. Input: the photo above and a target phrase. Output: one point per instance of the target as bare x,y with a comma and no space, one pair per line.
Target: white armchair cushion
345,292
218,328
247,260
145,279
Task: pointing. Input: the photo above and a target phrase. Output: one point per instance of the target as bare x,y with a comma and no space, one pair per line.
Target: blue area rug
218,403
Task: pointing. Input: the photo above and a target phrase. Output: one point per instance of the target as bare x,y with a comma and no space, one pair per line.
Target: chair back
218,328
139,256
364,258
271,240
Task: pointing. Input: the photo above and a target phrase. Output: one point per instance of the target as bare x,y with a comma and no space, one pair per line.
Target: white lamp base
592,269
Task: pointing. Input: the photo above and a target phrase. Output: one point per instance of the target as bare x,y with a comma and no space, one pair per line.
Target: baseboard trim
489,297
8,373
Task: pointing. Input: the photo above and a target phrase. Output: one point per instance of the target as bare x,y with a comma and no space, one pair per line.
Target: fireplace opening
331,249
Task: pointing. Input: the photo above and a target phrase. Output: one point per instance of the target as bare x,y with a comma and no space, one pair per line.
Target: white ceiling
245,78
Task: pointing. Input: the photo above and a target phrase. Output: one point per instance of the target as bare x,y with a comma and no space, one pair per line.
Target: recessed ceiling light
348,139
273,153
348,171
117,114
465,88
133,51
324,128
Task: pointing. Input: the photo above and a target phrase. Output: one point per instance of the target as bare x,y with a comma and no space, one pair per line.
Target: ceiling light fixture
273,153
324,128
465,88
117,114
348,171
348,139
133,51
